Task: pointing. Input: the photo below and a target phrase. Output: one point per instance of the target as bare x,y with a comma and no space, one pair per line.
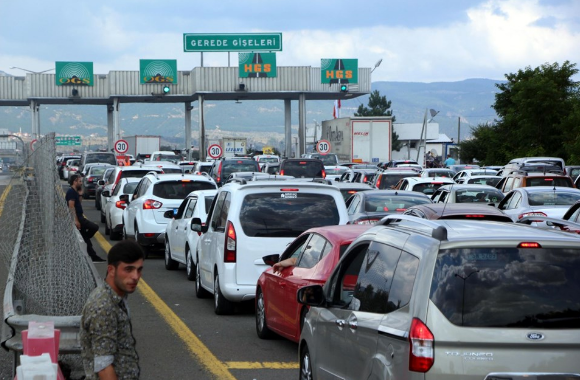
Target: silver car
447,300
544,201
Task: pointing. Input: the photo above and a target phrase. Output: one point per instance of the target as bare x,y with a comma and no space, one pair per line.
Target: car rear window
392,203
427,188
508,287
491,181
97,170
134,173
552,198
101,157
230,167
304,169
549,181
286,214
388,180
179,189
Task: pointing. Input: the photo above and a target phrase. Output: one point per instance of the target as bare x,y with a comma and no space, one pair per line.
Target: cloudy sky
418,40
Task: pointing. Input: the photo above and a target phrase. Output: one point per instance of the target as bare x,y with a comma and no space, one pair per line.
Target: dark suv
222,168
303,168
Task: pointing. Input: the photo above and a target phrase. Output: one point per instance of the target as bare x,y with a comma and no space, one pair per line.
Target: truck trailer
359,139
142,144
232,146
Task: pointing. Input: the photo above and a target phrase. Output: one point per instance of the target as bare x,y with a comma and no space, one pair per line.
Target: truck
232,146
142,145
359,139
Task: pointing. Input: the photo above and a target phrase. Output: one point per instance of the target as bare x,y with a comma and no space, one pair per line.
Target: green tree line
538,115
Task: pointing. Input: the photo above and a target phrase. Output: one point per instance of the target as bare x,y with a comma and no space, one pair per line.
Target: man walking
449,161
107,342
87,228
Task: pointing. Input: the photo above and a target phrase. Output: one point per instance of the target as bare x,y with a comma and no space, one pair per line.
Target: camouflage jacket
106,335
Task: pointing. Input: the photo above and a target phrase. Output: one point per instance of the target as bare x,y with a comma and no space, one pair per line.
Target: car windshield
286,214
239,166
327,159
427,188
478,195
552,198
549,181
97,170
397,203
491,181
508,287
101,157
179,189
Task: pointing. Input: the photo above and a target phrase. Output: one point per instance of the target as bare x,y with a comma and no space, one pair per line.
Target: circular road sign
121,146
323,146
214,151
33,144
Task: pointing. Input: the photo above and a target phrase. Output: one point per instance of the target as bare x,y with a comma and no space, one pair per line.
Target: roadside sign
67,140
339,70
121,146
232,42
33,144
323,146
214,151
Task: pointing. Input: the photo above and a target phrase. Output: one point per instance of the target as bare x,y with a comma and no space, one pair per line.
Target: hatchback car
437,172
316,252
144,217
423,185
490,180
529,179
114,206
446,300
547,201
369,207
180,240
388,178
252,219
94,172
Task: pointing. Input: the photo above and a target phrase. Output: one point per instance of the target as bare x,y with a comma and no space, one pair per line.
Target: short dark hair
126,251
73,178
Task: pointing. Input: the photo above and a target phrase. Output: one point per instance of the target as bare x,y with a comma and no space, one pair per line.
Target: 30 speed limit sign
214,151
121,146
323,146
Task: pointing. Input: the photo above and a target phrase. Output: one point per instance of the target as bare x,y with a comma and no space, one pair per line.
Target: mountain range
466,102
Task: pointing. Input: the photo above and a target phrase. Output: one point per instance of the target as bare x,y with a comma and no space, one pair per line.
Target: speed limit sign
323,146
121,146
214,151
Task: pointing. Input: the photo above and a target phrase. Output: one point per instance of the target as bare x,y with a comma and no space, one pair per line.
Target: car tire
199,291
170,264
261,325
85,194
107,229
145,248
305,364
221,305
189,265
103,219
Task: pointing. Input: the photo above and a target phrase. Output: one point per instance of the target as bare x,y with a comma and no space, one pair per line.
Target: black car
222,168
303,168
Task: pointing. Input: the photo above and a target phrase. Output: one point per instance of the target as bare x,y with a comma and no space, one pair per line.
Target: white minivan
252,219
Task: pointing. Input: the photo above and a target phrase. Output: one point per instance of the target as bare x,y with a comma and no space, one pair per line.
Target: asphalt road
180,337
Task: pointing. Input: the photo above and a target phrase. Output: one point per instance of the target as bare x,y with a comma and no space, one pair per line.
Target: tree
379,106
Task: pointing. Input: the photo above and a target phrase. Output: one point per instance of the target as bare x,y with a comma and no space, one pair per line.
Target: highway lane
179,336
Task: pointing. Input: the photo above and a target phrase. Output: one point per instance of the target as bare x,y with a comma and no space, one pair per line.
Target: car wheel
107,229
221,305
103,219
305,364
145,248
189,265
199,291
170,264
261,326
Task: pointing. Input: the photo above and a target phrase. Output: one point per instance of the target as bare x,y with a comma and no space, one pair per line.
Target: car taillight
151,204
536,213
91,179
282,172
230,244
529,245
422,350
379,182
323,174
72,169
120,204
474,216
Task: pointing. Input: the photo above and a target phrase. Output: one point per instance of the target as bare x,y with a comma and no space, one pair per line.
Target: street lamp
377,65
30,71
422,141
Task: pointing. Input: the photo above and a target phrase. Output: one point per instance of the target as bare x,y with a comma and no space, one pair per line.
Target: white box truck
233,146
142,144
359,139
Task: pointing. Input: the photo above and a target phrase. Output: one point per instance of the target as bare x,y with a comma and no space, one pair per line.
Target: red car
317,252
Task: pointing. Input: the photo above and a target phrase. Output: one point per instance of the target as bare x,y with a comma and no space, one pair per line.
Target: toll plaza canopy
300,83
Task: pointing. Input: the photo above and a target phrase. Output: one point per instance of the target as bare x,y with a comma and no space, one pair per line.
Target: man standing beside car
87,228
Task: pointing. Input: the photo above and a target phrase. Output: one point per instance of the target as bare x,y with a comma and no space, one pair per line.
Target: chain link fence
49,274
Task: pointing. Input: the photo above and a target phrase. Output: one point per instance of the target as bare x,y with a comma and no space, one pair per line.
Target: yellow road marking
4,196
194,345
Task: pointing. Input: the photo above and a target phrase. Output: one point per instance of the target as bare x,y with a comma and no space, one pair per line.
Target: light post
463,294
422,141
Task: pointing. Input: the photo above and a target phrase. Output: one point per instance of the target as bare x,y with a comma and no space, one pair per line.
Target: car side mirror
106,193
198,226
312,295
169,214
271,259
124,198
100,182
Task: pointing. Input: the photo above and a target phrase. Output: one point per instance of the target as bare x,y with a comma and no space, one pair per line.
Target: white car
264,159
249,220
167,166
334,172
71,167
114,206
144,217
180,240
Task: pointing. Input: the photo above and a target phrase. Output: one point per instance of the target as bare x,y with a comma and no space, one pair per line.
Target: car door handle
353,324
340,322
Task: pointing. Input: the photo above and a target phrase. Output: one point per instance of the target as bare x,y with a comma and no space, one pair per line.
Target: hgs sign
339,70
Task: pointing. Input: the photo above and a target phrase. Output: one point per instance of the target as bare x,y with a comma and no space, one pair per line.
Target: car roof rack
438,231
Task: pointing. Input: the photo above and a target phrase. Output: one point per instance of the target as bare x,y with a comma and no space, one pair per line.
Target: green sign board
158,71
67,140
224,42
74,74
257,65
337,70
